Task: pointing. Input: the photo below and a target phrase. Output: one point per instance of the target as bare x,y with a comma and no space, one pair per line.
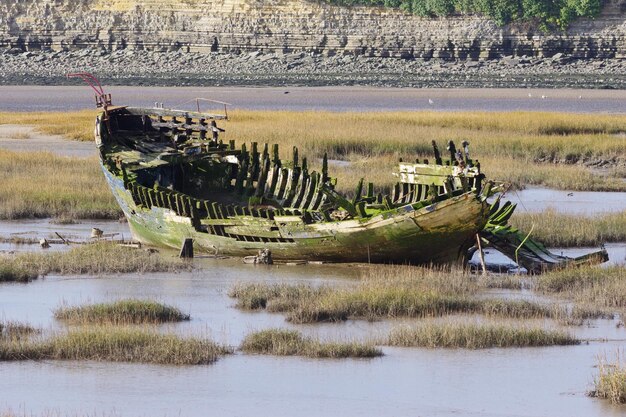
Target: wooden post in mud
186,251
481,254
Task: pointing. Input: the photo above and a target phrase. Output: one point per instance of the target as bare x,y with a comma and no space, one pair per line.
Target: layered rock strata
288,26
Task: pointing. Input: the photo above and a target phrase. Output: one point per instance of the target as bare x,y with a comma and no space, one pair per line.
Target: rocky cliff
294,25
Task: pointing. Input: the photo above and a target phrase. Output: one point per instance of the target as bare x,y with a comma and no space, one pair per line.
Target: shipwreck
175,180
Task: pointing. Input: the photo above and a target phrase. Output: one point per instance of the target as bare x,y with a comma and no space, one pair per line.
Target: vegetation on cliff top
559,13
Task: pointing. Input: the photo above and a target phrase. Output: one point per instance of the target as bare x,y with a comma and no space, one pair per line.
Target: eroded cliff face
294,25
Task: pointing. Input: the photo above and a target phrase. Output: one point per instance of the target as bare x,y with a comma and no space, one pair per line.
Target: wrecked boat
175,180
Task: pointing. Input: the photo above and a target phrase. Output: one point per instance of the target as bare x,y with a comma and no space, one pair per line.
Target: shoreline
257,69
31,98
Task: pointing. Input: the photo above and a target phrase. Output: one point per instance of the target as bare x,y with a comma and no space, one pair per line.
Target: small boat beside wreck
175,180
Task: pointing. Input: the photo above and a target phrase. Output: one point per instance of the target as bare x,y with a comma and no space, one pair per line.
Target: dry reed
518,147
478,335
567,230
610,383
40,184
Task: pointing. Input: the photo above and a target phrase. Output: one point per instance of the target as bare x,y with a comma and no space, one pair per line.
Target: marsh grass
610,383
479,335
13,272
40,184
601,288
567,230
130,311
116,344
384,292
20,135
12,330
97,258
76,125
518,147
281,342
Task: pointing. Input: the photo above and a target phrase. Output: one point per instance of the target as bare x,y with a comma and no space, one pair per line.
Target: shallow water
37,229
533,200
405,382
50,98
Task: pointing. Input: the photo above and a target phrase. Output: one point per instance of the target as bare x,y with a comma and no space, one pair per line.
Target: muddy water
405,382
39,98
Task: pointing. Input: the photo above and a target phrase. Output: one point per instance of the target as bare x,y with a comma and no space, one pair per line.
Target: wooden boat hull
439,233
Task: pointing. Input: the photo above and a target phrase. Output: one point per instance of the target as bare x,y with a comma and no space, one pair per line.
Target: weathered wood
186,250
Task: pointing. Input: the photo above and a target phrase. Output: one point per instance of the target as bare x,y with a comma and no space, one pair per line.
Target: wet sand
23,138
39,98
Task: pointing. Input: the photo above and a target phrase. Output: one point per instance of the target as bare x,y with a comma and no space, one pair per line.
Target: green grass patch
97,258
281,342
476,336
131,311
116,344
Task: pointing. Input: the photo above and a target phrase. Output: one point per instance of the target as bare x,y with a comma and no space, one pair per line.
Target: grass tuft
12,330
115,344
600,287
97,258
611,381
476,336
131,311
385,292
281,342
